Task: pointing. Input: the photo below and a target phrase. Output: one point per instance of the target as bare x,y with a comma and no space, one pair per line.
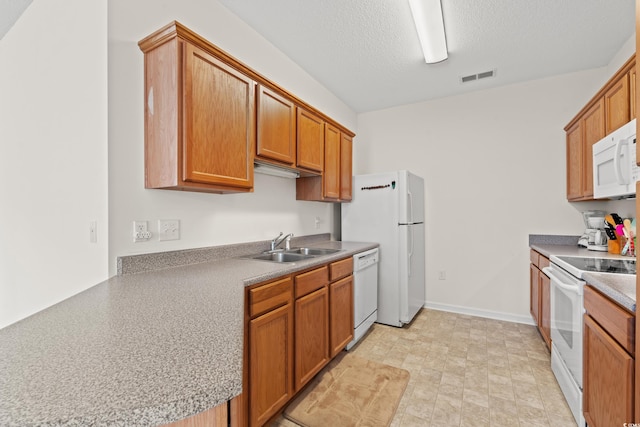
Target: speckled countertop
621,288
138,349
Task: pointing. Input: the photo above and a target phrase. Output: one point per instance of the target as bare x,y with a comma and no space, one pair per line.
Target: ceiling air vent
479,76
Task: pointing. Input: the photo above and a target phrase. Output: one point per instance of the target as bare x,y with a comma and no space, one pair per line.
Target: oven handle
557,281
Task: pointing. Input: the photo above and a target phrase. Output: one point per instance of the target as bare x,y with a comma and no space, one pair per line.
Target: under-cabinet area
208,118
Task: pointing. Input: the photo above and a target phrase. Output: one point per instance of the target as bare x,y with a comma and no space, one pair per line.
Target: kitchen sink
282,257
312,251
293,255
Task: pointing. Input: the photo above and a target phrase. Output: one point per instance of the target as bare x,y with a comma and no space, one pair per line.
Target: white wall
206,219
53,168
494,169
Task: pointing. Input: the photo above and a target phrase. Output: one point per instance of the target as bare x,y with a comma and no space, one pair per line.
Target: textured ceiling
367,51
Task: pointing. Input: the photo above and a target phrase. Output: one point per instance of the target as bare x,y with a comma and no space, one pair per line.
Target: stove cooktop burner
602,265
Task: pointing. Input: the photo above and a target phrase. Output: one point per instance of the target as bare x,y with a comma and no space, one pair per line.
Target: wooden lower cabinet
608,362
341,314
294,326
608,379
270,355
312,335
540,295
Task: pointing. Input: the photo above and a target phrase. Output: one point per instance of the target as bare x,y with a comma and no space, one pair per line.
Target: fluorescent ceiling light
427,14
267,169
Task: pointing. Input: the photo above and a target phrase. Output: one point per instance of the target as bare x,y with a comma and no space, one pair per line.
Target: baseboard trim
496,315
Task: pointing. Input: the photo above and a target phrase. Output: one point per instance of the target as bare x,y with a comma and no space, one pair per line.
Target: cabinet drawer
533,256
311,280
267,297
340,269
543,261
618,323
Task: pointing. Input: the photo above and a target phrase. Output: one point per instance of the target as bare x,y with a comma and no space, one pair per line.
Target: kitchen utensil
610,233
609,222
616,218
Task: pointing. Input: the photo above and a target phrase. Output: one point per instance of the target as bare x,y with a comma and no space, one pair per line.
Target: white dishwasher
365,293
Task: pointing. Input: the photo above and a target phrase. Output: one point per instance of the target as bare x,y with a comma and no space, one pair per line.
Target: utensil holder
615,246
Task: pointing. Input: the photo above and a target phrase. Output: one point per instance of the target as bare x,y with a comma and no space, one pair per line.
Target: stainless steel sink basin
282,257
312,251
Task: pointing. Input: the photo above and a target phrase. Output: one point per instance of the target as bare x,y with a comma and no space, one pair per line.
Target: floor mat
350,391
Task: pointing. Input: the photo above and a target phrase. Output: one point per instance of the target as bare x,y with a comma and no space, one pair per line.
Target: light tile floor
468,371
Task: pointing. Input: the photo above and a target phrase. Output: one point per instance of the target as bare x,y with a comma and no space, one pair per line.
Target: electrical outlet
168,229
317,222
141,232
442,275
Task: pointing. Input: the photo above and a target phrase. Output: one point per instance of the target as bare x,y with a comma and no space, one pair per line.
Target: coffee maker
594,237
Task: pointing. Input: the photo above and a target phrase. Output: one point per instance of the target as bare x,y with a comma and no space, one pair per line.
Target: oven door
567,310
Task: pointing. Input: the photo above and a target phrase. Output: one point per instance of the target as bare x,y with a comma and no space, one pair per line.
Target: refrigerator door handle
410,254
410,207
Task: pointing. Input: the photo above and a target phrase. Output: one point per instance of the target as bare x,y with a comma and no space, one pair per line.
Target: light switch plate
168,229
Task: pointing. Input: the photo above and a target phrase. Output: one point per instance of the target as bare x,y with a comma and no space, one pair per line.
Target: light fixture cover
268,169
427,15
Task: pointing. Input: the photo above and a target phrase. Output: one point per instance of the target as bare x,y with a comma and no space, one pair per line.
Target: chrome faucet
277,241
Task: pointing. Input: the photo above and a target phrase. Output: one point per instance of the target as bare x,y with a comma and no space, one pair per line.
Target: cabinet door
218,122
616,101
331,173
312,335
632,93
346,167
534,294
593,131
608,395
574,162
276,127
341,314
545,307
310,139
270,363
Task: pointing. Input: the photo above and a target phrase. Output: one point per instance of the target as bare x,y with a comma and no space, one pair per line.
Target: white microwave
614,164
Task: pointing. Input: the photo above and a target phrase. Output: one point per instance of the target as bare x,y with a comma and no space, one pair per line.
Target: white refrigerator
388,208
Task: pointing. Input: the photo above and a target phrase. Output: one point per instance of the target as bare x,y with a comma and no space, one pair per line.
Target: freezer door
411,271
411,198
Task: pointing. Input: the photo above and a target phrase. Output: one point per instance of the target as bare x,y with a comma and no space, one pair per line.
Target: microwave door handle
616,161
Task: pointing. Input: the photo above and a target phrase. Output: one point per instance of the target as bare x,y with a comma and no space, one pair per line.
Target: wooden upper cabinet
574,162
208,117
199,116
310,141
346,167
632,93
331,174
581,136
593,124
276,127
218,116
617,104
610,108
335,183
